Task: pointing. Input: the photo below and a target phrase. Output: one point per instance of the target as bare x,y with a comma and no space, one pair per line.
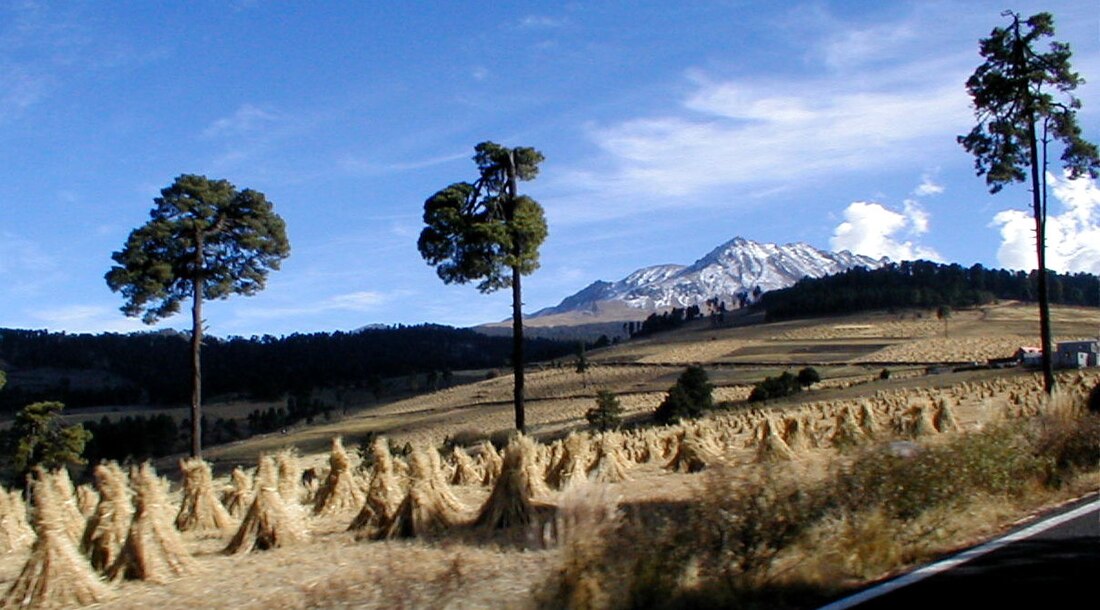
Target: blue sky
668,129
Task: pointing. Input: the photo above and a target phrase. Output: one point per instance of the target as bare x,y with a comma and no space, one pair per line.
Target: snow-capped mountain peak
737,267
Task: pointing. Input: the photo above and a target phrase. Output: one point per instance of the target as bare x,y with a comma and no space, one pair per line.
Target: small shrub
607,414
884,374
776,387
689,398
808,376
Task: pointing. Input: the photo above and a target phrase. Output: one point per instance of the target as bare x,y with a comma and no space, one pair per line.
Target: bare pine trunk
196,347
517,306
1040,250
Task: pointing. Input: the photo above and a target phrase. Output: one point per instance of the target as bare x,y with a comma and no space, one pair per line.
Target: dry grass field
808,434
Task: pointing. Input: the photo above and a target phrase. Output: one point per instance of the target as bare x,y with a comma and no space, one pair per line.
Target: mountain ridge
729,273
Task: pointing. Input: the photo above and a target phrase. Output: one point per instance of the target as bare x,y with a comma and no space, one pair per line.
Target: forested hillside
152,368
922,284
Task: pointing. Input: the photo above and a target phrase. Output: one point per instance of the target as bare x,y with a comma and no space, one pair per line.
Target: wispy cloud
1073,237
928,187
359,165
26,267
542,22
360,301
246,120
87,319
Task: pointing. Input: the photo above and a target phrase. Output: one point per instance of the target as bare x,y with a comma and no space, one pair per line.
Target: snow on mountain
736,267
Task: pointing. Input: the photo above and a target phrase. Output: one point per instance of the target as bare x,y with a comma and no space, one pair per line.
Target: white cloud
871,229
928,187
1073,237
360,301
541,22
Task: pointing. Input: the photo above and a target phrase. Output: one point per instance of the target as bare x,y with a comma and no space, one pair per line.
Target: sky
667,128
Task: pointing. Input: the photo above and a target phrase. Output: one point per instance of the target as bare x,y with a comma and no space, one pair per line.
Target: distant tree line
152,368
922,284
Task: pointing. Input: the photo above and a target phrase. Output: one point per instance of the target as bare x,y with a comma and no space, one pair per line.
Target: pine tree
1018,117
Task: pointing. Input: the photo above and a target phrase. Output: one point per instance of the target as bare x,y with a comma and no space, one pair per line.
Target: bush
607,414
808,376
689,398
776,387
884,374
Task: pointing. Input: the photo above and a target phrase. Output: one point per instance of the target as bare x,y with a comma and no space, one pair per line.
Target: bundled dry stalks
75,522
796,435
693,454
290,476
610,466
383,492
491,463
340,490
572,467
425,510
238,497
153,549
868,423
466,472
86,499
110,521
55,574
271,521
200,509
15,532
772,447
509,504
847,432
945,420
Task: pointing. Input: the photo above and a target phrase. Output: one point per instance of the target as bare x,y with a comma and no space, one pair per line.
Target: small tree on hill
582,364
607,414
689,398
38,438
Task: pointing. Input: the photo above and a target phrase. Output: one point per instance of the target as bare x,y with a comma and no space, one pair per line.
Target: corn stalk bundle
15,532
200,509
340,491
110,521
153,549
271,521
238,497
55,575
439,481
424,511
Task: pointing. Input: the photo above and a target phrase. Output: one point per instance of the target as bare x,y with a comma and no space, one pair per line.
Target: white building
1077,354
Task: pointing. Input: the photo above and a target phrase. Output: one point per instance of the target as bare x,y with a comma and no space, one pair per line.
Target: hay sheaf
693,453
340,490
238,497
572,466
425,510
271,521
510,502
75,521
110,521
200,509
153,549
384,492
55,575
15,532
611,464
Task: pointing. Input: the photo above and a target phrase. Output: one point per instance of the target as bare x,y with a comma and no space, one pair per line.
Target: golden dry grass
465,570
